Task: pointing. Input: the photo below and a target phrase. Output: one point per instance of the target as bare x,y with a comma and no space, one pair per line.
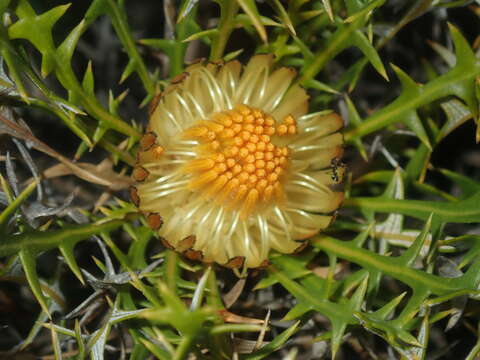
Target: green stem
214,299
45,240
390,266
68,79
430,92
171,270
5,214
228,11
335,44
322,305
120,25
455,212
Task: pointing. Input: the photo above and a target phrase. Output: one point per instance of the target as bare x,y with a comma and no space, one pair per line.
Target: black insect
335,164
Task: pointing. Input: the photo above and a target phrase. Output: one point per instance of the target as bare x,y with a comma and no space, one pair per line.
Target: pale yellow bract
232,165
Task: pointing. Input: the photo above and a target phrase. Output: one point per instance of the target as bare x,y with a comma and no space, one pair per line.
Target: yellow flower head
232,165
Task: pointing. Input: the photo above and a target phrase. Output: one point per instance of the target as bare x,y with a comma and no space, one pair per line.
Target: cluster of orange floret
237,162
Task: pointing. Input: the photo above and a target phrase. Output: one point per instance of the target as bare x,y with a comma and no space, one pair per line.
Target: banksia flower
232,165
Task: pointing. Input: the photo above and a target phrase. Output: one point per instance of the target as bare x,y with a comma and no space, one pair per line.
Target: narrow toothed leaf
57,349
395,188
408,338
328,8
114,103
232,55
420,352
466,183
338,331
297,311
273,345
340,315
250,8
360,239
171,299
60,329
408,84
352,76
391,331
166,45
129,69
41,319
98,134
459,81
429,189
308,56
28,258
461,211
146,100
412,120
294,267
186,8
283,15
358,296
67,251
466,90
45,240
88,80
457,114
80,342
15,204
42,24
118,316
98,341
463,51
48,64
409,256
7,190
157,349
465,59
317,85
390,266
82,148
38,30
117,14
387,309
471,279
244,20
96,9
205,35
416,168
447,55
15,68
360,40
365,11
67,47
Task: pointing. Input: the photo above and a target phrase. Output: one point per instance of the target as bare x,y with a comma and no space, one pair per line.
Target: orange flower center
237,163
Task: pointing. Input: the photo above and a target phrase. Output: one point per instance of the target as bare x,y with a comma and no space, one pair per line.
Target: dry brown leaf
262,333
231,297
230,317
102,174
102,200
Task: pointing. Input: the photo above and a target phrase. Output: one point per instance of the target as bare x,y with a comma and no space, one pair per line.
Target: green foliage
404,217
